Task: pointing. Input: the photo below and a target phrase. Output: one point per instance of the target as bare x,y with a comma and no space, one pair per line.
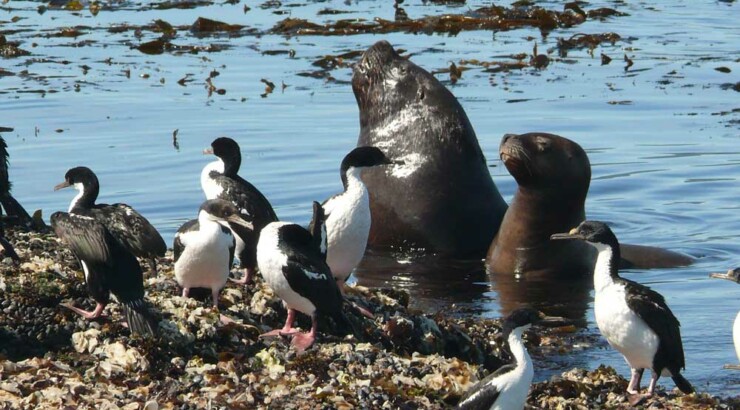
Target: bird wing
111,265
650,306
485,393
247,198
131,229
179,245
309,276
85,236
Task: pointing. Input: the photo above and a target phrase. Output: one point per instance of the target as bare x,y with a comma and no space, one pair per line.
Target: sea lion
553,174
441,199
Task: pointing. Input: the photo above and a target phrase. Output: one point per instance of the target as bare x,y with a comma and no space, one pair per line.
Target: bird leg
634,386
302,341
343,289
653,382
152,267
185,292
246,277
96,313
214,296
287,329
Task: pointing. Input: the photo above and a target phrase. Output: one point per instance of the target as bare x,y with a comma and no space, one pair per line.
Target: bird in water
293,262
508,386
633,318
12,208
348,214
733,275
133,231
204,247
220,180
100,237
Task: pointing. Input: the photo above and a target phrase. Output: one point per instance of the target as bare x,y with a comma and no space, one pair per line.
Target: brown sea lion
441,199
553,174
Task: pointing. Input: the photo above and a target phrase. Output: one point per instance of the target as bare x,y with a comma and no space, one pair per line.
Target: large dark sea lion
441,199
553,174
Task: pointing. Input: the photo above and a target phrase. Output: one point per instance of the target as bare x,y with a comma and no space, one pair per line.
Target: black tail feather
682,383
15,210
141,318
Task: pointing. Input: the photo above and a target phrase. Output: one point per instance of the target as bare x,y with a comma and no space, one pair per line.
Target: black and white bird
220,180
109,267
204,247
633,318
733,275
348,214
293,262
508,386
133,231
12,208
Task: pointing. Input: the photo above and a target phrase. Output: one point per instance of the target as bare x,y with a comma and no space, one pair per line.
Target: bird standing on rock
732,275
508,386
220,180
12,208
132,230
293,263
348,214
105,238
204,247
633,318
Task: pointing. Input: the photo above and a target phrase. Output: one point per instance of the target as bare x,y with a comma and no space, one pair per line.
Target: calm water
665,152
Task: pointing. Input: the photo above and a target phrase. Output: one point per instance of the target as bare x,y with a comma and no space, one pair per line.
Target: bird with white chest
204,247
507,388
348,214
293,262
220,180
734,276
633,318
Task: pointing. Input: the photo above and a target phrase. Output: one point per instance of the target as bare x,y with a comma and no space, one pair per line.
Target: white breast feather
620,326
271,260
209,185
347,226
204,261
736,335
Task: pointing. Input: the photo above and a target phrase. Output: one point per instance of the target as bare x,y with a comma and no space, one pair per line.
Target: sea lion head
384,82
547,162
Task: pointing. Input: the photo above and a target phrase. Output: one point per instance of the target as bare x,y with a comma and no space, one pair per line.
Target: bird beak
208,151
64,184
239,221
573,234
727,276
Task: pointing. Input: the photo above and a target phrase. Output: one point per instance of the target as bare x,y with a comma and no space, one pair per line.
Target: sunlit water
662,137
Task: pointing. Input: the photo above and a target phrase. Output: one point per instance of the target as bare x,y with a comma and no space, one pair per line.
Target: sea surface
663,135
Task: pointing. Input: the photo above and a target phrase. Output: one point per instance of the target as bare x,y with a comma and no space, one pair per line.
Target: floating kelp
485,18
582,40
204,25
10,49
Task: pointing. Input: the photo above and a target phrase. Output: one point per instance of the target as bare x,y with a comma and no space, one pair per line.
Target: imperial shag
12,208
204,247
133,231
633,318
348,214
220,180
109,267
293,262
508,386
733,275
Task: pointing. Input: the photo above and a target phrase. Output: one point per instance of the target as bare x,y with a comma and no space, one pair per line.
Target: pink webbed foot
245,279
94,314
302,341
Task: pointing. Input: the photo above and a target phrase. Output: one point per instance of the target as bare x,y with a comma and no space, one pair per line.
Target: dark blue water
662,137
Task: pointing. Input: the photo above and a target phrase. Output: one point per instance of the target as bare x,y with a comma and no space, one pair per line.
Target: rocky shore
402,359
